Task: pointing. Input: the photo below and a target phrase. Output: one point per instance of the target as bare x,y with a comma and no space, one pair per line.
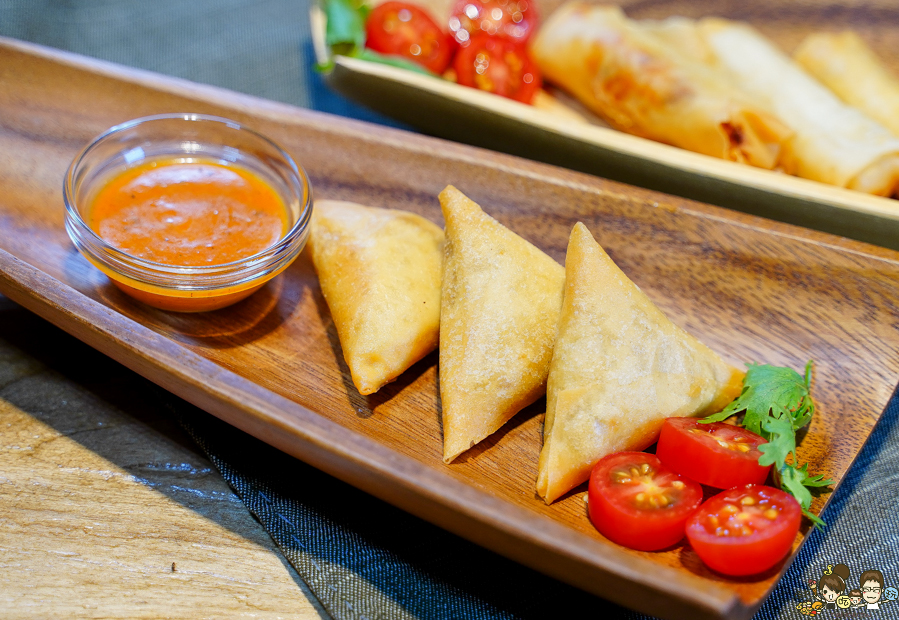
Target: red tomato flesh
745,530
403,29
637,502
514,19
719,455
499,66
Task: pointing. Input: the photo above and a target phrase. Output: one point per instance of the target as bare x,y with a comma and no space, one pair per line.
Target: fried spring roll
848,67
640,85
833,142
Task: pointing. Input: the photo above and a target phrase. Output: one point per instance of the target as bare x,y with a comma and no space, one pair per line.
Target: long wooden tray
750,288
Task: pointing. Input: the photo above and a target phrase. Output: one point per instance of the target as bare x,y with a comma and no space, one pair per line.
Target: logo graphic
832,590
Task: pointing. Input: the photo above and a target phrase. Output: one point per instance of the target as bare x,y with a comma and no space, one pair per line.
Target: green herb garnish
345,29
777,402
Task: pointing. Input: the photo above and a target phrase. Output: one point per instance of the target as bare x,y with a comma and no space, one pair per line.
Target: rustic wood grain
106,508
751,289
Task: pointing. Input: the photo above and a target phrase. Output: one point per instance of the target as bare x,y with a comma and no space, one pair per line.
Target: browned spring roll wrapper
641,86
619,368
848,67
833,143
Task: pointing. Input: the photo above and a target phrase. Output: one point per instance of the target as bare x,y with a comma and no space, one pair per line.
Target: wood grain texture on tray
750,289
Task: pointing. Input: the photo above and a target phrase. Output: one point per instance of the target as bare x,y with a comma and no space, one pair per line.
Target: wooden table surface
107,508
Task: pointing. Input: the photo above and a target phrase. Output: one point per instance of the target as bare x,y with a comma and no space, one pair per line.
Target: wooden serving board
752,289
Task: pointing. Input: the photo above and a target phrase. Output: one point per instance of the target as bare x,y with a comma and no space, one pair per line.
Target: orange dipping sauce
188,213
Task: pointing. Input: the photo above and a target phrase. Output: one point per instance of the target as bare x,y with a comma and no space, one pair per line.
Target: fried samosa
619,368
499,309
640,85
380,272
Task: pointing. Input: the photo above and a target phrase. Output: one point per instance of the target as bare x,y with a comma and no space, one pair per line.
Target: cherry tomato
717,454
406,30
515,19
499,66
744,530
637,502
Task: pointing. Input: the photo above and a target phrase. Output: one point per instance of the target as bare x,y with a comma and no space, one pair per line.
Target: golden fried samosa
380,272
619,368
498,314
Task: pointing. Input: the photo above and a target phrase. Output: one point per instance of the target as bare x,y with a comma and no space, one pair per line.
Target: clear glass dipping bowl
185,137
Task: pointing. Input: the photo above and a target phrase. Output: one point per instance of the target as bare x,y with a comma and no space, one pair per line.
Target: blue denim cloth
365,559
361,557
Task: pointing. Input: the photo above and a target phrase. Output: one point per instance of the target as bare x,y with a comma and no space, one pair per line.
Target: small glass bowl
186,137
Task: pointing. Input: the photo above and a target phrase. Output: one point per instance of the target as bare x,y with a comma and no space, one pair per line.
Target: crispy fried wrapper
619,368
499,309
834,142
380,272
640,84
847,66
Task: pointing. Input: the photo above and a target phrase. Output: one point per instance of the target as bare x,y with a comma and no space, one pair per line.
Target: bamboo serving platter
445,109
752,289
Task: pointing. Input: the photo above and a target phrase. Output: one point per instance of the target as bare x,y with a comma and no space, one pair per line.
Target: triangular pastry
619,368
380,272
499,309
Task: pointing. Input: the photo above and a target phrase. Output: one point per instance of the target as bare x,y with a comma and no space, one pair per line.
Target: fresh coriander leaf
345,29
812,481
791,481
816,481
777,402
781,441
771,390
796,481
816,521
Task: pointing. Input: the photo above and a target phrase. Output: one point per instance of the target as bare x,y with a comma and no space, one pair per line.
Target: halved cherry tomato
637,502
717,454
745,530
499,66
515,19
406,30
